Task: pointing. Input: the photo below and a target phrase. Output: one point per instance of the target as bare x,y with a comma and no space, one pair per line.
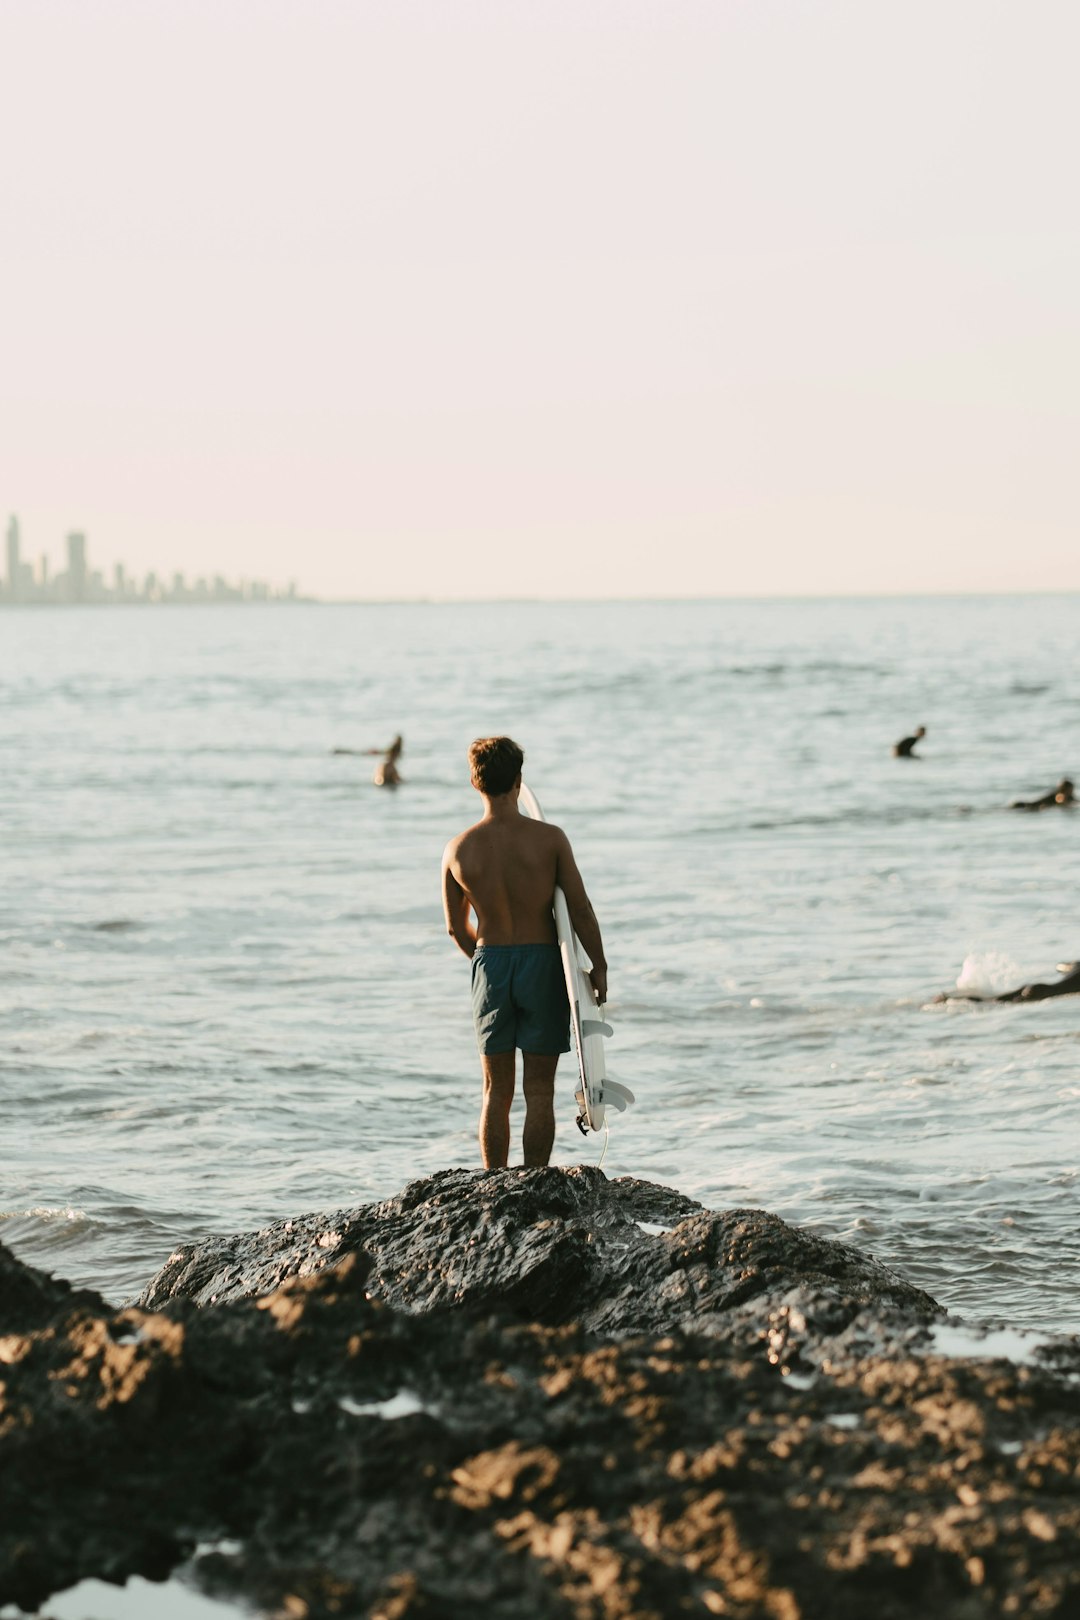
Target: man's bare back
507,867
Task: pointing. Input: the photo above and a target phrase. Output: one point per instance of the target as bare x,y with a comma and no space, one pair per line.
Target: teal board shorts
519,999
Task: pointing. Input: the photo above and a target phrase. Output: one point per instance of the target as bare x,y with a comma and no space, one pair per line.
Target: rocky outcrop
724,1417
554,1246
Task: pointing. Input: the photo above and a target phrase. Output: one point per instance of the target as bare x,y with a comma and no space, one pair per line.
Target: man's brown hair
495,763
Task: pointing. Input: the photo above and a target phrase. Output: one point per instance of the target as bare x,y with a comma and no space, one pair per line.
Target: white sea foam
403,1404
988,973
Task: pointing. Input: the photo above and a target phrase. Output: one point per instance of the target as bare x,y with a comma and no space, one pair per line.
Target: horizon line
306,600
772,596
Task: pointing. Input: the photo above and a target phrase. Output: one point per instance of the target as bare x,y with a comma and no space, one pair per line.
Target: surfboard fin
595,1026
612,1094
614,1090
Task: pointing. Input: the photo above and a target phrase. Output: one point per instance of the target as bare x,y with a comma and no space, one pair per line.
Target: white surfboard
596,1093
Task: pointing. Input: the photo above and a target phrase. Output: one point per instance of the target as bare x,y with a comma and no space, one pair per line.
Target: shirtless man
504,871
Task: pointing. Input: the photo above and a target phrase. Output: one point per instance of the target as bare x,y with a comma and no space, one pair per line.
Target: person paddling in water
905,748
1067,986
502,872
386,771
1061,795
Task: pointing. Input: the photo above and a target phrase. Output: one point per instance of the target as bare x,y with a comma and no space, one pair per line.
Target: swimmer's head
495,765
920,731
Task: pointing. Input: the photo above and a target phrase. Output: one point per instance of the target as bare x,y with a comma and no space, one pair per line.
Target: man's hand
598,978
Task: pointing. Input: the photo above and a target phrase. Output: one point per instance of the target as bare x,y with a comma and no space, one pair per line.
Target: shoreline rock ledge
533,1393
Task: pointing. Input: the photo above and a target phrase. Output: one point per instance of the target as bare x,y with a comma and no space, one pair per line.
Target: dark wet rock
32,1298
555,1246
766,1436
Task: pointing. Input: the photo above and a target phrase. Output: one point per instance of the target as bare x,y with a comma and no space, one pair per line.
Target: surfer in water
1067,986
499,880
905,748
1062,794
386,771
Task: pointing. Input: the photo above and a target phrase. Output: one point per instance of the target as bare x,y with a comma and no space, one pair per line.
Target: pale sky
473,298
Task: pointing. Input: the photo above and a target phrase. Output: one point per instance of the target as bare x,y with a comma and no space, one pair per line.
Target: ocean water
228,996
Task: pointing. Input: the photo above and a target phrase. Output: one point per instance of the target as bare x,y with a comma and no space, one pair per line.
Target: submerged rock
500,1394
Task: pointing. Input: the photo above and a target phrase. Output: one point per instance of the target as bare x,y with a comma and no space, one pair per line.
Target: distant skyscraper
36,584
76,548
13,592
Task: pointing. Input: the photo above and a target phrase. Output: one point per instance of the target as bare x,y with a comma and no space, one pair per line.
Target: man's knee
538,1076
498,1072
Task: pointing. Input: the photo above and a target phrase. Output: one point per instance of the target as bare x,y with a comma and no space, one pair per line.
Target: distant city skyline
25,585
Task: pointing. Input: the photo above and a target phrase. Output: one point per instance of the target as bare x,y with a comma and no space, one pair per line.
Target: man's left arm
582,915
459,924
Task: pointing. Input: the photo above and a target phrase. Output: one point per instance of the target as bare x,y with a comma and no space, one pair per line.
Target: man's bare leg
539,1087
498,1070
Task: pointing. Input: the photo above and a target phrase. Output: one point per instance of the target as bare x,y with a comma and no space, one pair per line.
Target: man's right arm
459,924
582,915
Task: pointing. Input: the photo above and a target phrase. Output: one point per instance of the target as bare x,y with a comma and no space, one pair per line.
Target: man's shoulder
469,835
455,843
541,832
